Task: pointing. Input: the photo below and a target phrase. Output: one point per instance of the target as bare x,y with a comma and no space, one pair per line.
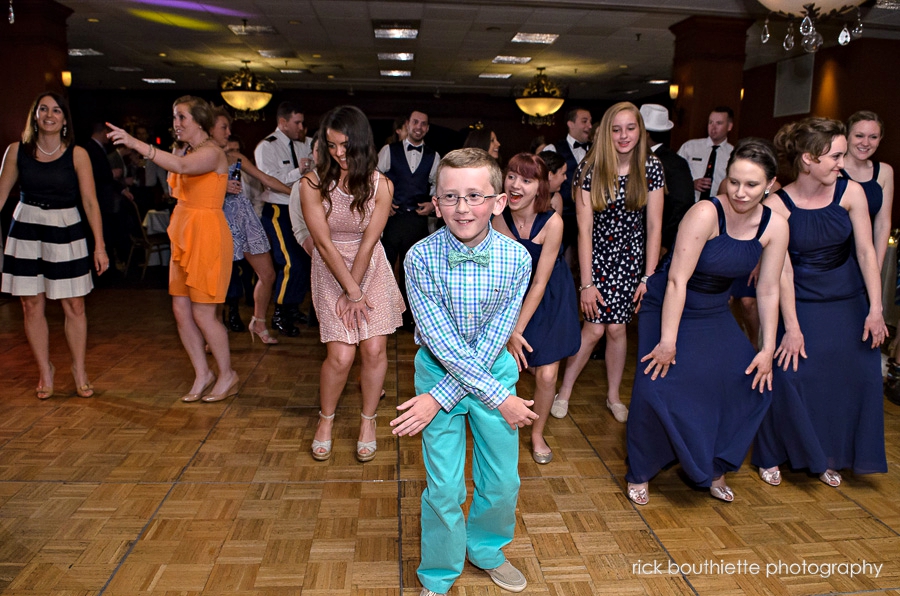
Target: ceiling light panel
159,81
396,73
544,38
84,52
511,59
252,29
494,75
399,56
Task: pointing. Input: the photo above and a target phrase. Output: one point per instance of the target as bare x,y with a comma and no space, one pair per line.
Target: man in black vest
573,149
411,166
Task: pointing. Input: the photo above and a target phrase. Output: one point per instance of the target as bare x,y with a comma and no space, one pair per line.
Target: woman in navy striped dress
46,254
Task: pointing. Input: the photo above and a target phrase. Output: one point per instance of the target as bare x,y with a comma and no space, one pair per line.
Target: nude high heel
263,335
370,446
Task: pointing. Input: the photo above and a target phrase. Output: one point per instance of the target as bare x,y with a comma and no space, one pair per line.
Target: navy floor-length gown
704,413
829,414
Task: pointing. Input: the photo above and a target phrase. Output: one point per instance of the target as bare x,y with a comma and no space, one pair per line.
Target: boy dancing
465,284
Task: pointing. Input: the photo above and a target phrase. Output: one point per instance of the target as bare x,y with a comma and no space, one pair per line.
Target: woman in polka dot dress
619,204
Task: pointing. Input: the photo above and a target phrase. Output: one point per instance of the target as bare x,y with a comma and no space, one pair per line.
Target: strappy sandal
263,335
46,392
86,390
831,478
770,476
638,496
370,446
321,450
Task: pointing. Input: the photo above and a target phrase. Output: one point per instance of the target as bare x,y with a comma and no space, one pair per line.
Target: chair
150,243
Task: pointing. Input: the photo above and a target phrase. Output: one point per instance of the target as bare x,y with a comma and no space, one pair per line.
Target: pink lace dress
378,282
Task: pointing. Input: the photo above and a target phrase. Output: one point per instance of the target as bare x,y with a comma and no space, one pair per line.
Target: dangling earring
35,127
65,129
766,194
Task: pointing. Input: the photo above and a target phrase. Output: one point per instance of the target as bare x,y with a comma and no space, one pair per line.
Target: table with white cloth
157,222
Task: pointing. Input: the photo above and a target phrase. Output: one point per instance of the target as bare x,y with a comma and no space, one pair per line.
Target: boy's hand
420,410
516,413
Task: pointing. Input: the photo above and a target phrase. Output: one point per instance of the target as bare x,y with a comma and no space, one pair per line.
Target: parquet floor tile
133,493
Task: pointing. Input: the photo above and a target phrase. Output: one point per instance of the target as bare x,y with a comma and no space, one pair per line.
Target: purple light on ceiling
195,6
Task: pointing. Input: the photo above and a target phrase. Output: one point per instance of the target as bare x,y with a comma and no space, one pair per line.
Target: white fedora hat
656,117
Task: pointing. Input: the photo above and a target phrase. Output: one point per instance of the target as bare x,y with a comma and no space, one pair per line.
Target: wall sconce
742,94
66,77
673,91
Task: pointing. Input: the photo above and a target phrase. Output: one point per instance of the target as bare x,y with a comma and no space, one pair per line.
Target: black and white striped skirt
46,252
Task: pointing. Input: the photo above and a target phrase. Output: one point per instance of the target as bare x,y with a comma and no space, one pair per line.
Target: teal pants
447,537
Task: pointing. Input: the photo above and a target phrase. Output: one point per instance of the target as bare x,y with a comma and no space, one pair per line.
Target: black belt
44,204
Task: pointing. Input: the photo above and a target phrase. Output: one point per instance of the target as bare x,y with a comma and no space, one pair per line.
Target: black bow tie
585,146
412,148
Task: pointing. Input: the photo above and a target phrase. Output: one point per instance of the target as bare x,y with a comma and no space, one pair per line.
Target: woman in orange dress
201,242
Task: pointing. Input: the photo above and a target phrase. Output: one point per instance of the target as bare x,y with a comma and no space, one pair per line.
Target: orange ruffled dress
201,241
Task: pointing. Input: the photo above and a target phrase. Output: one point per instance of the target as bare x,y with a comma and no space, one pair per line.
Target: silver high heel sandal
321,450
370,446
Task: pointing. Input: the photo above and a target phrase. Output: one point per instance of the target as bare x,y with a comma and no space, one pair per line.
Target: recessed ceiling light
623,66
658,81
93,20
317,55
396,73
545,38
396,33
252,29
511,59
84,52
162,54
159,81
294,71
330,77
295,22
494,75
401,56
125,68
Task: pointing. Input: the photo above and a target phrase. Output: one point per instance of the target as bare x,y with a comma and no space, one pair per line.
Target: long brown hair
29,135
361,157
602,161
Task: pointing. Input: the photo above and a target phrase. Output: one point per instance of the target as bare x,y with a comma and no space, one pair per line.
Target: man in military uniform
285,154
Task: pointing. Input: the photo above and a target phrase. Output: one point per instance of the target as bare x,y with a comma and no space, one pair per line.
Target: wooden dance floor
135,493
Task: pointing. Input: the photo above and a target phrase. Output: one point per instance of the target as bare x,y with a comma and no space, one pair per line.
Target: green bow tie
456,257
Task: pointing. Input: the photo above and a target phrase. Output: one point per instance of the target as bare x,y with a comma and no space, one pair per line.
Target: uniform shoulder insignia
271,138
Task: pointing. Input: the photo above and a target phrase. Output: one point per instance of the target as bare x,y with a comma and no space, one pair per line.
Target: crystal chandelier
809,13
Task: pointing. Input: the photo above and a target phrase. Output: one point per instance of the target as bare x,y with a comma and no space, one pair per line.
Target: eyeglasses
473,198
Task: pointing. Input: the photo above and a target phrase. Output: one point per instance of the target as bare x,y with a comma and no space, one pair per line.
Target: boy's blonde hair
471,157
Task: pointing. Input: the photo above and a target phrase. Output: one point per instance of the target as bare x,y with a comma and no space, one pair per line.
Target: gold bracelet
361,296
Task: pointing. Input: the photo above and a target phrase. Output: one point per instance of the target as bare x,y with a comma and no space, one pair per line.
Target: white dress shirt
274,158
579,153
696,153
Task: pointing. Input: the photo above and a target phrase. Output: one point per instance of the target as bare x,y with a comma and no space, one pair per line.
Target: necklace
200,144
522,225
48,153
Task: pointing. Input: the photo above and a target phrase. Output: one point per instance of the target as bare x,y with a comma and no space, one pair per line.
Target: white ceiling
604,48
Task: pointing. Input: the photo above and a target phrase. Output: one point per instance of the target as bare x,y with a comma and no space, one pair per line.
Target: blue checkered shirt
465,315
